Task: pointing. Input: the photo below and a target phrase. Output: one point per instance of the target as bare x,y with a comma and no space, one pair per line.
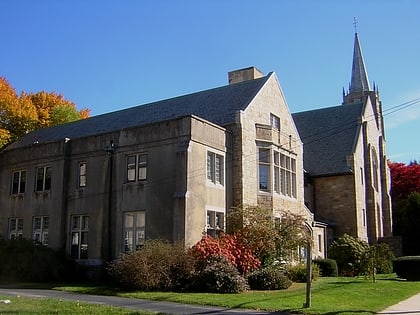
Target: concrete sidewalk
410,306
135,304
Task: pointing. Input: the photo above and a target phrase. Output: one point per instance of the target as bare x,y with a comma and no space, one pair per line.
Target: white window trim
19,184
135,244
212,176
42,232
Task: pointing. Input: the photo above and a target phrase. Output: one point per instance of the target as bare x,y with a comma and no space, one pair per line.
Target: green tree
269,238
408,213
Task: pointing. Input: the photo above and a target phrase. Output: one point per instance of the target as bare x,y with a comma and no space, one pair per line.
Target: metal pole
308,274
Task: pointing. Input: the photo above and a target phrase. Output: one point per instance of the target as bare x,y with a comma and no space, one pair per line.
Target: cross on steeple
355,24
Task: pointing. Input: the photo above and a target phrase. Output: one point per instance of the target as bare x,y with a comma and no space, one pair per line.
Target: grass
329,296
26,306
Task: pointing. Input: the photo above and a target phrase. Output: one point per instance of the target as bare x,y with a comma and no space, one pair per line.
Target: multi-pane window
276,174
215,223
136,167
43,178
18,182
15,228
40,230
278,170
82,174
275,122
134,230
215,168
288,176
79,236
264,169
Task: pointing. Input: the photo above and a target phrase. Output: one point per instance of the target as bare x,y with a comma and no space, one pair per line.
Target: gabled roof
219,105
328,137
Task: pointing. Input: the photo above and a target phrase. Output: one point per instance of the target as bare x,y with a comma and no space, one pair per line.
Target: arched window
374,168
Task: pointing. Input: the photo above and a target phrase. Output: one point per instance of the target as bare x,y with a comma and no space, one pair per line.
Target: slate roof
219,105
328,136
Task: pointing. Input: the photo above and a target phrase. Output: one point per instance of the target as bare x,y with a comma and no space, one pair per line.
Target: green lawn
33,306
329,295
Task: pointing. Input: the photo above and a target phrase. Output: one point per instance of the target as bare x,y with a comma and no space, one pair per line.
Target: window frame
44,183
136,167
17,231
40,234
20,186
82,175
215,222
277,171
79,239
137,230
264,169
275,122
215,168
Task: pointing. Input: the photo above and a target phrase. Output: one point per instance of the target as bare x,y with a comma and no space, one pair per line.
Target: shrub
348,252
159,265
297,273
24,260
229,247
217,274
269,278
327,267
407,267
378,259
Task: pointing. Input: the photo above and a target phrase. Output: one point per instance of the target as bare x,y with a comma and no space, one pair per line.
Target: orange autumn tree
30,111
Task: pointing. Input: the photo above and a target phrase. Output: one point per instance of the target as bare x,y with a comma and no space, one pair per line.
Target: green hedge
327,267
269,278
407,267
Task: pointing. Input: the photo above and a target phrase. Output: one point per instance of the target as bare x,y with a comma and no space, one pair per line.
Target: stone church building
347,179
172,169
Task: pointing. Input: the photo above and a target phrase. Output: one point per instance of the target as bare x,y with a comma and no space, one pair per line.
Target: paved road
136,304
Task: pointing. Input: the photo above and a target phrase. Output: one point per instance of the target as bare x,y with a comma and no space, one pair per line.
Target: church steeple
359,84
359,78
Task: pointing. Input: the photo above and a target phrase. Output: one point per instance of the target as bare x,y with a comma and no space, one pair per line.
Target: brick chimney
245,74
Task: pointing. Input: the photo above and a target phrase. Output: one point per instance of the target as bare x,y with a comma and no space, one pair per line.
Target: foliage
408,267
341,295
407,222
24,260
217,274
377,259
269,278
230,247
28,112
266,236
327,267
405,179
297,273
159,265
348,252
406,204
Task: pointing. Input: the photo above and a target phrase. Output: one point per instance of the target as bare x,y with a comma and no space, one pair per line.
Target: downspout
65,194
110,150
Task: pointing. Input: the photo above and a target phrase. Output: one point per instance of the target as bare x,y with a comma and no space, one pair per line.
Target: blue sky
110,55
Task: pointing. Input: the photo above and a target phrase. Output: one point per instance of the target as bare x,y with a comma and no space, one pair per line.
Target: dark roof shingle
328,136
218,105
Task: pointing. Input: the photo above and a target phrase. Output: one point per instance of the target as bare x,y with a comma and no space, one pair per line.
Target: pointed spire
359,79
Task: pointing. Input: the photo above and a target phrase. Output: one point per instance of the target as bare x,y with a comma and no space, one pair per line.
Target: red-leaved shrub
230,247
